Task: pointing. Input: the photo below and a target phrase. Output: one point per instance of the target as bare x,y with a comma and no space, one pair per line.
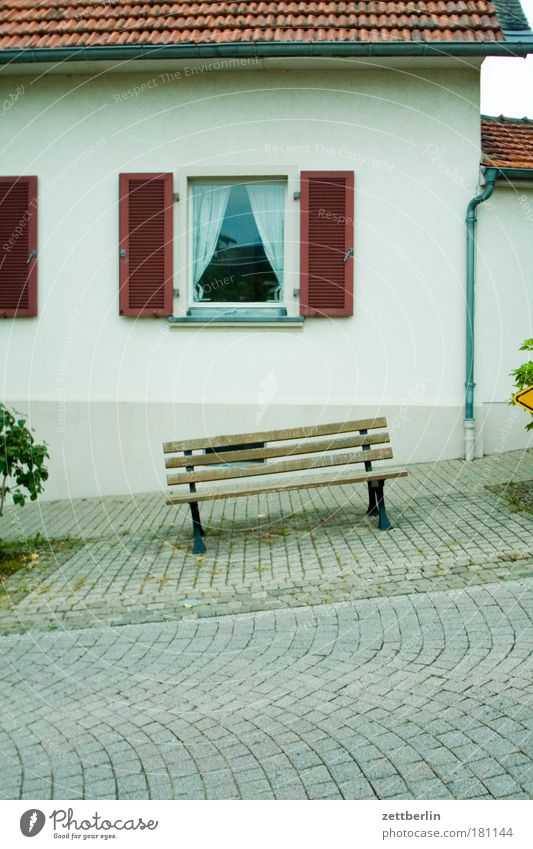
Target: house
226,217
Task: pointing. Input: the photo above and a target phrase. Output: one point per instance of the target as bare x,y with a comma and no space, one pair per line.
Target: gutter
346,49
513,174
492,174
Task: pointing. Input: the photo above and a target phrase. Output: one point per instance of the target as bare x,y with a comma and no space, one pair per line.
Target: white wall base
107,448
503,428
470,439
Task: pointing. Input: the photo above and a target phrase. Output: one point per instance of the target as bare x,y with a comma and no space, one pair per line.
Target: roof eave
517,35
523,46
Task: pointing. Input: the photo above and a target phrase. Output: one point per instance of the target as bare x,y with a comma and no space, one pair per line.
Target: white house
254,216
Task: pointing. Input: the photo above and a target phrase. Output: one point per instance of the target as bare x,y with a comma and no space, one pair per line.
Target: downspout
491,175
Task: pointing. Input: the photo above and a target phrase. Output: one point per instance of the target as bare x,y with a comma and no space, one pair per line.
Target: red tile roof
72,23
507,142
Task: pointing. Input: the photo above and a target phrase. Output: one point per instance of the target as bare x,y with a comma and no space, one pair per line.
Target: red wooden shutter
146,244
326,243
18,246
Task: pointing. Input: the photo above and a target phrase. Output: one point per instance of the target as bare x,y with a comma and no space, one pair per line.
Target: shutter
326,243
18,246
146,244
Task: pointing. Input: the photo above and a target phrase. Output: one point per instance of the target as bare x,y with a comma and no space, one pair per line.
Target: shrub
523,375
21,460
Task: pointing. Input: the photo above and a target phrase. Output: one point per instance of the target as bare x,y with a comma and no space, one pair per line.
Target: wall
106,390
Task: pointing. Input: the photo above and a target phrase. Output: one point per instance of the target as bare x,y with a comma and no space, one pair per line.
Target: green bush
21,460
523,375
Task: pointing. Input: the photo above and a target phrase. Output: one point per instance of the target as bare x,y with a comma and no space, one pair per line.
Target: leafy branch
22,460
523,375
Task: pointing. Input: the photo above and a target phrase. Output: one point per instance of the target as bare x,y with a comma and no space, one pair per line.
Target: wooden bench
220,459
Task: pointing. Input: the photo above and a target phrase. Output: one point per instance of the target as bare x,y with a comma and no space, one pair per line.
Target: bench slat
318,462
278,450
274,435
273,486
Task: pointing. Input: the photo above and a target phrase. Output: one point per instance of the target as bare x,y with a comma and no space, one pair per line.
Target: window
237,241
236,253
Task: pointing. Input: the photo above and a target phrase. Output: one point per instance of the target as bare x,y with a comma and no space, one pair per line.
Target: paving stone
501,786
387,787
428,789
314,775
417,771
486,768
358,789
467,788
325,790
100,790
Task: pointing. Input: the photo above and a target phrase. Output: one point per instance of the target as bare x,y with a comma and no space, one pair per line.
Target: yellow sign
525,398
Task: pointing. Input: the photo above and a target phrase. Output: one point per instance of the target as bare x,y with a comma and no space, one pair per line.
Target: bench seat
280,485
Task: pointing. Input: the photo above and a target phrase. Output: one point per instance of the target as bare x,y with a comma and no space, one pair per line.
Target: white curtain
209,204
268,205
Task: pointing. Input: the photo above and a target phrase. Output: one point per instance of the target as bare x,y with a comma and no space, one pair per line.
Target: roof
72,23
507,142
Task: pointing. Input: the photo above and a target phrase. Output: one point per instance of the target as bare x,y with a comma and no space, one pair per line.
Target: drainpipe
491,175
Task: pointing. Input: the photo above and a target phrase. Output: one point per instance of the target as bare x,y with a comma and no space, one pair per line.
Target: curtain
208,210
268,205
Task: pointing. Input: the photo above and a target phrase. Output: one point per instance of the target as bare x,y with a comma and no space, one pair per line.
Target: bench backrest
215,459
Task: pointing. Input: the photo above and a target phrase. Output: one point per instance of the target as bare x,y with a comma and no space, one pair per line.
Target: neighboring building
504,285
235,216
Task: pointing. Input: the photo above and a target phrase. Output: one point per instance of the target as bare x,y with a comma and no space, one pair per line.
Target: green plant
523,375
21,460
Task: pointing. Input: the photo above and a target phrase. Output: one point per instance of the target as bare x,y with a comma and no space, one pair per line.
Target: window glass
238,241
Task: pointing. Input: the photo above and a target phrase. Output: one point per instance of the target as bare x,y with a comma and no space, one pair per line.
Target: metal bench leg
198,546
384,522
372,499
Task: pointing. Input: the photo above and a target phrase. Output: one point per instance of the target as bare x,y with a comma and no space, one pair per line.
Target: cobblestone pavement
350,664
267,552
408,696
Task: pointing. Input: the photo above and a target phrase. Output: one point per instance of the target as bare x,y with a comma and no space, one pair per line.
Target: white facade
504,316
105,390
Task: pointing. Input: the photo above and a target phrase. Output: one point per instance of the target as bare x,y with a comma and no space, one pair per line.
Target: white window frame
288,299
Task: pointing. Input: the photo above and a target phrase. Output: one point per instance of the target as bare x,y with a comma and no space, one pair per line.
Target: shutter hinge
175,196
122,253
33,255
176,293
296,292
348,254
296,195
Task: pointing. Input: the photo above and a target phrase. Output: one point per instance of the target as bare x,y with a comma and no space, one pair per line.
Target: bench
220,459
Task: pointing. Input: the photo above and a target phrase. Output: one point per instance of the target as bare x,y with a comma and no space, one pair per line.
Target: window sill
280,322
207,316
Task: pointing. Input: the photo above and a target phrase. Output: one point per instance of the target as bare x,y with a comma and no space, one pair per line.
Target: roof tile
60,23
507,142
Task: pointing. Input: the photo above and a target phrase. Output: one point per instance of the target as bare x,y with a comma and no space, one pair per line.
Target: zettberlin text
407,815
